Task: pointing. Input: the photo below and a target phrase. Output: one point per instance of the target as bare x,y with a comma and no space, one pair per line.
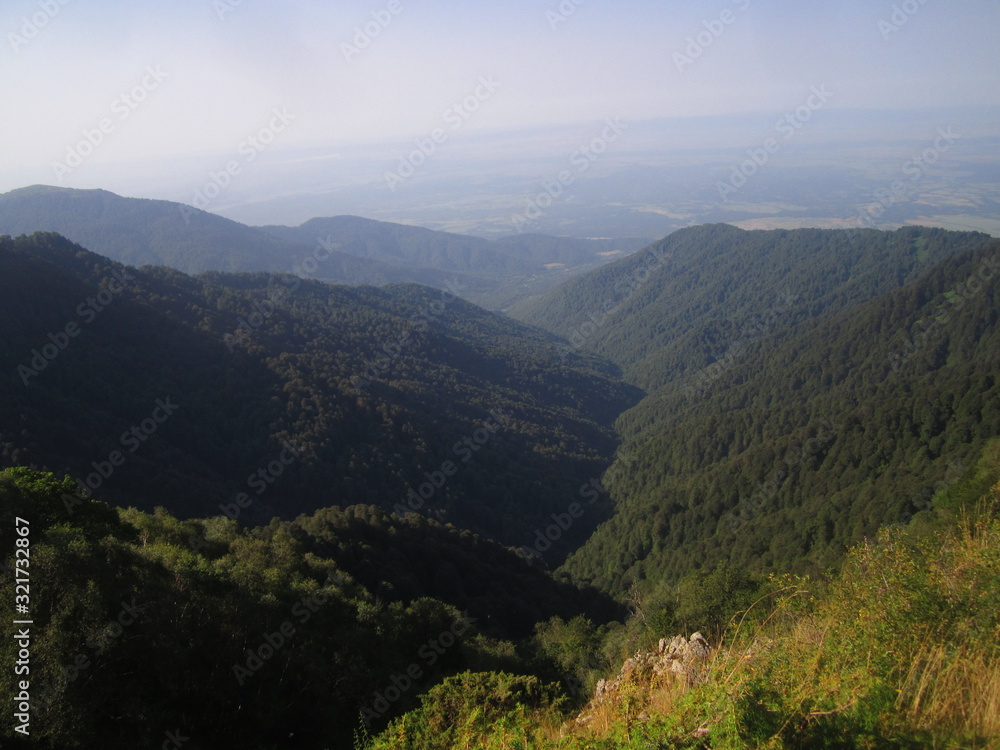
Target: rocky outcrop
675,659
687,658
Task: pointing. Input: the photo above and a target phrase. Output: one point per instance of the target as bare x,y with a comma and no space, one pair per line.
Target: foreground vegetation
901,649
144,622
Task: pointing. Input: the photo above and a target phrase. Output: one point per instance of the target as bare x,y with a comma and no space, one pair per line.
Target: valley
300,485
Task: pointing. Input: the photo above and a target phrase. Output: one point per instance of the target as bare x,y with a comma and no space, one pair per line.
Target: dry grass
663,699
953,689
870,657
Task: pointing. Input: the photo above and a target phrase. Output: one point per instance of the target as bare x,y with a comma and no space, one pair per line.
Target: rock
683,657
676,658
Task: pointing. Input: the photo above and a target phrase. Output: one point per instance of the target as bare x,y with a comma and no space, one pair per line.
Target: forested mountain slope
869,400
671,310
260,395
821,432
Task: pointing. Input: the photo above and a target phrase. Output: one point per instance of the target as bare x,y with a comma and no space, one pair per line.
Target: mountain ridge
718,285
142,231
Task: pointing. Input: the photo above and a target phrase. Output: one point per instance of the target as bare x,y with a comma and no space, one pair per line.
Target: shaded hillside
284,395
143,624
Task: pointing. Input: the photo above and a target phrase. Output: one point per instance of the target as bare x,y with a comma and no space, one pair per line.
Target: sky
195,79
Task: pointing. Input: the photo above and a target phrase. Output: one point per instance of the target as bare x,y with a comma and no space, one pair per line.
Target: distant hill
343,249
298,394
425,248
139,232
412,247
570,251
501,271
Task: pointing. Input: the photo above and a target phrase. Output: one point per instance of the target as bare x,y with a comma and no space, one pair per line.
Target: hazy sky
211,73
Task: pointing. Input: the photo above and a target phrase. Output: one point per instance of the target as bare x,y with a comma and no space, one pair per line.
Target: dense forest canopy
812,438
289,395
682,304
